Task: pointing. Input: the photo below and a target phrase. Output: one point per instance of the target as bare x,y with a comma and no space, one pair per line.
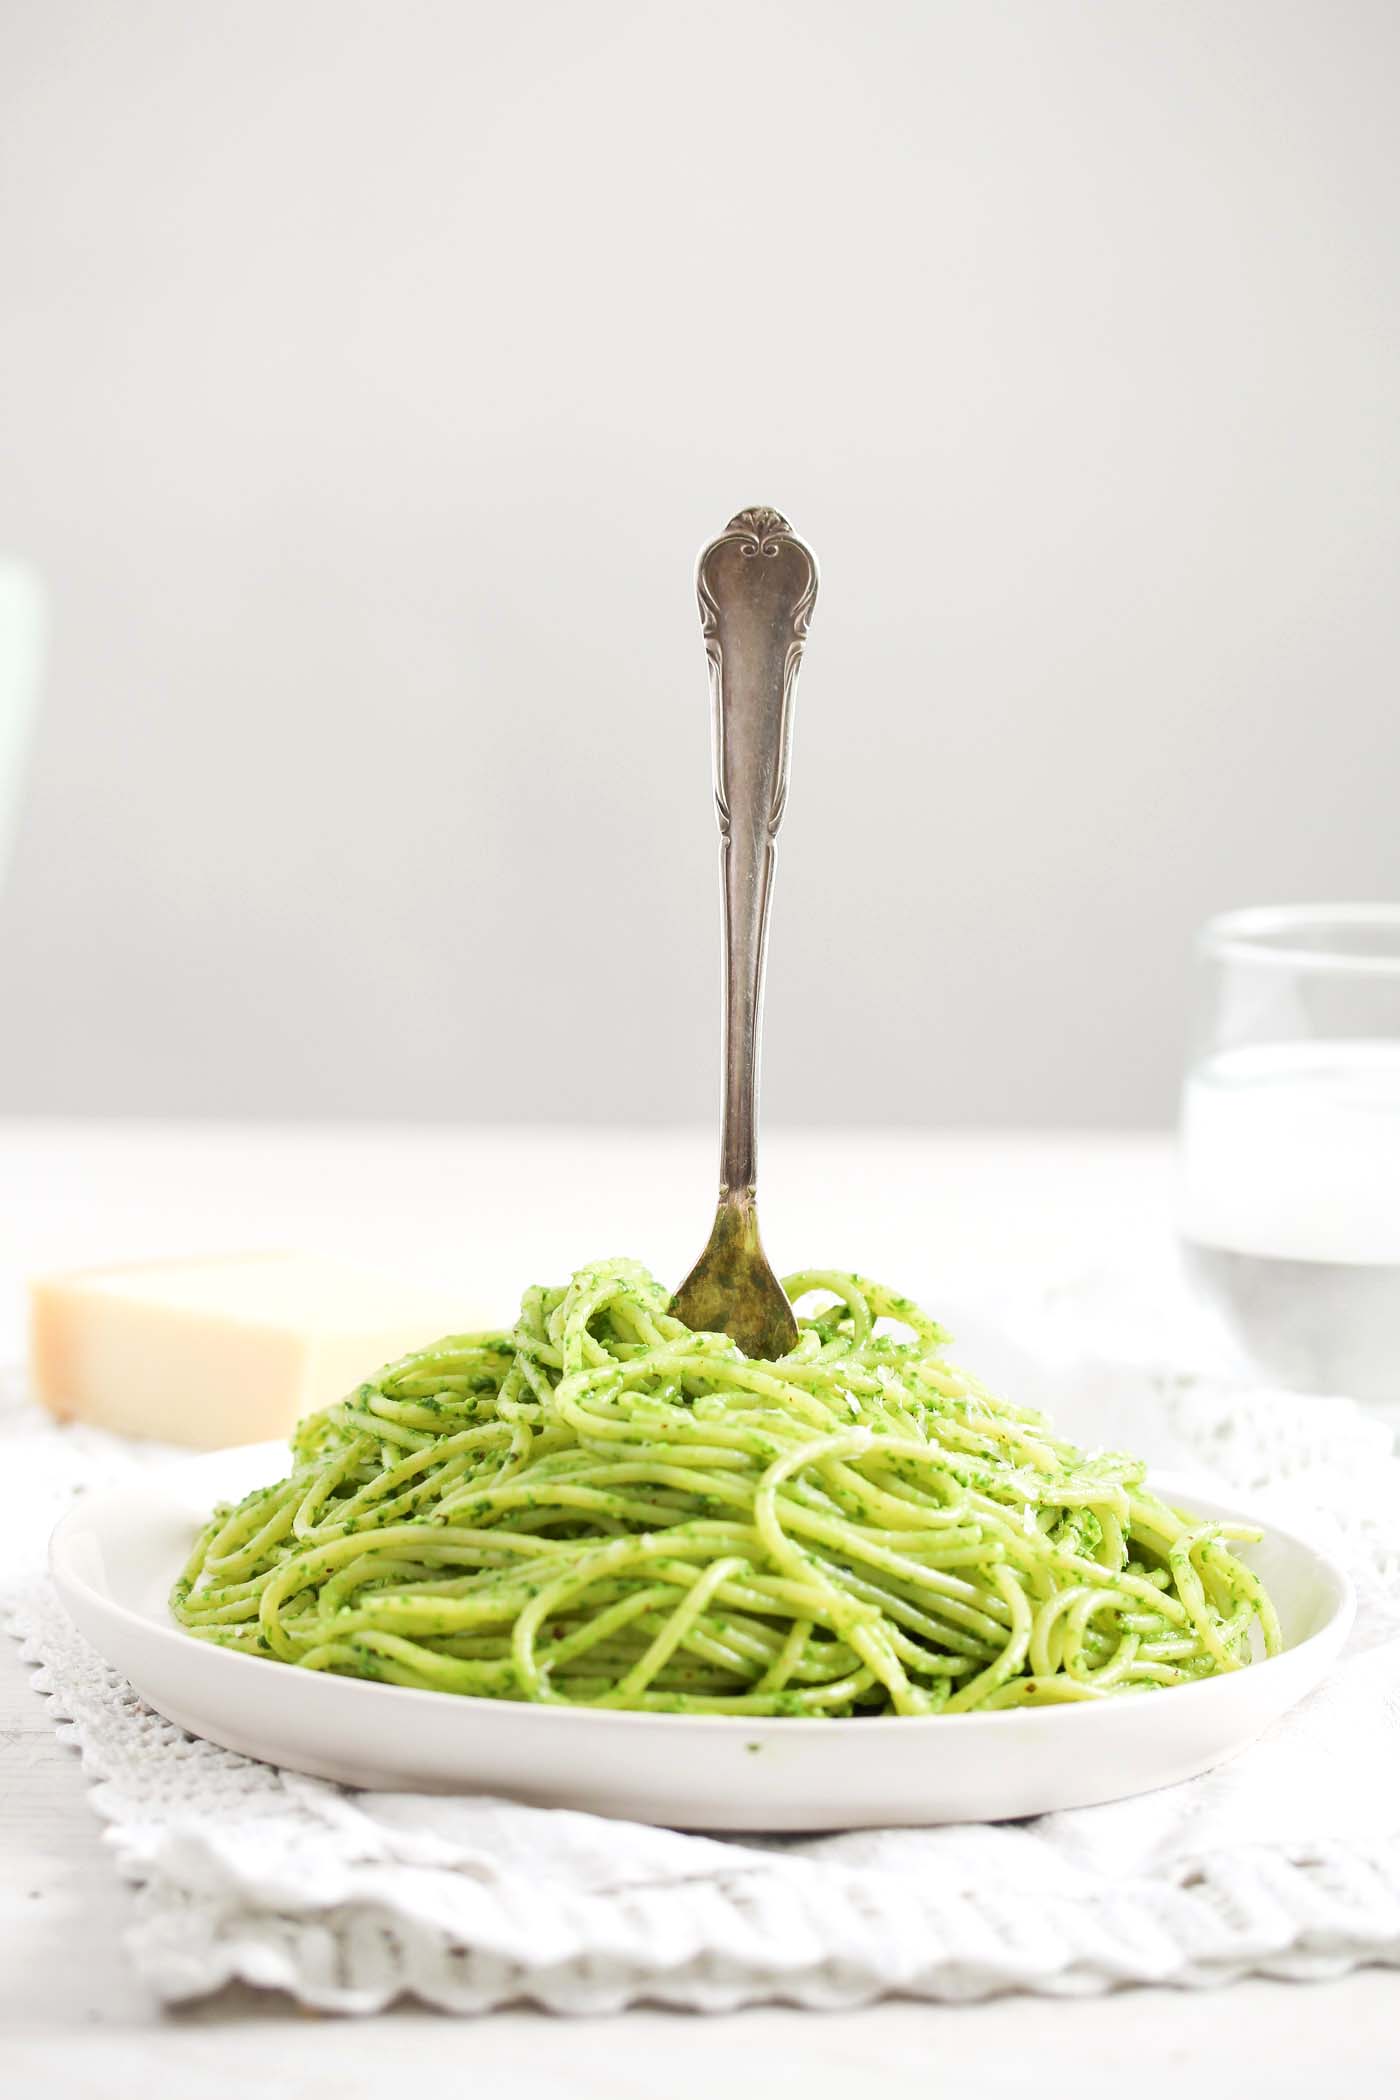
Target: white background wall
369,375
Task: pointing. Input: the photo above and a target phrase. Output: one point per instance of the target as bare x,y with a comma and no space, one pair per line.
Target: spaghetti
603,1508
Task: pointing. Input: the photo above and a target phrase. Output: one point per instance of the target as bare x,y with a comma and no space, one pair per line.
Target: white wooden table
493,1210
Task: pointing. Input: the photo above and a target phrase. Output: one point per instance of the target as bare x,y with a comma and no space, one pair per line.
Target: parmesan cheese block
219,1350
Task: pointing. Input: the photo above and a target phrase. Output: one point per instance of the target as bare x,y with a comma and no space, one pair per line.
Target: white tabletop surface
941,1215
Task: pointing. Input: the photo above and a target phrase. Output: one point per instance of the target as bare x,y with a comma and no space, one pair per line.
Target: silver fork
757,584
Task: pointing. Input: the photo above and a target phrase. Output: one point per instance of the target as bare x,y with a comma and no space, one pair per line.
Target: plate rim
1069,1713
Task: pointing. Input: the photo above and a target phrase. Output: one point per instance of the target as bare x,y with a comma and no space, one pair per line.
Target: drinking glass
21,655
1290,1142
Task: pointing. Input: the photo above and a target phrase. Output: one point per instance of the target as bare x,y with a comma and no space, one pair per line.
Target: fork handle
757,584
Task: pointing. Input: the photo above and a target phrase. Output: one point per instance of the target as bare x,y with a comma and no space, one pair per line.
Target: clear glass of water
1290,1142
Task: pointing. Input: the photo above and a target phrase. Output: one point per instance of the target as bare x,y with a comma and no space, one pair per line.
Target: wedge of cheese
221,1350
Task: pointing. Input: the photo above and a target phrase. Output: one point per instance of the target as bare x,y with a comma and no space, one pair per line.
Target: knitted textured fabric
1285,1862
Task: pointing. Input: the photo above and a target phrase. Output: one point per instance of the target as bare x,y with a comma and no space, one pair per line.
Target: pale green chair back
22,624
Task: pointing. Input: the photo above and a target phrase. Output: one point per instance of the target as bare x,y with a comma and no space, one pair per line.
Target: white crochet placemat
1285,1862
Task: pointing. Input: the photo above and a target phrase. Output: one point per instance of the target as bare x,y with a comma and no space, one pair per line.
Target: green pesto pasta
601,1508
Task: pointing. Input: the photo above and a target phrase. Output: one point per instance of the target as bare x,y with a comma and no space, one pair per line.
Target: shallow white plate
115,1556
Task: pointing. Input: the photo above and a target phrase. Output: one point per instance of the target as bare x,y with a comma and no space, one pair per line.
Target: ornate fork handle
757,584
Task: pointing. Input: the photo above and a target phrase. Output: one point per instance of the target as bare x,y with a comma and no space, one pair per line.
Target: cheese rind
220,1350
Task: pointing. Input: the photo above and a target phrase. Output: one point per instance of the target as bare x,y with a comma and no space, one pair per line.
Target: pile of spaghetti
603,1508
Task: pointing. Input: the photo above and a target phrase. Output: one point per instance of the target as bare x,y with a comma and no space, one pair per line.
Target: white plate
115,1556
